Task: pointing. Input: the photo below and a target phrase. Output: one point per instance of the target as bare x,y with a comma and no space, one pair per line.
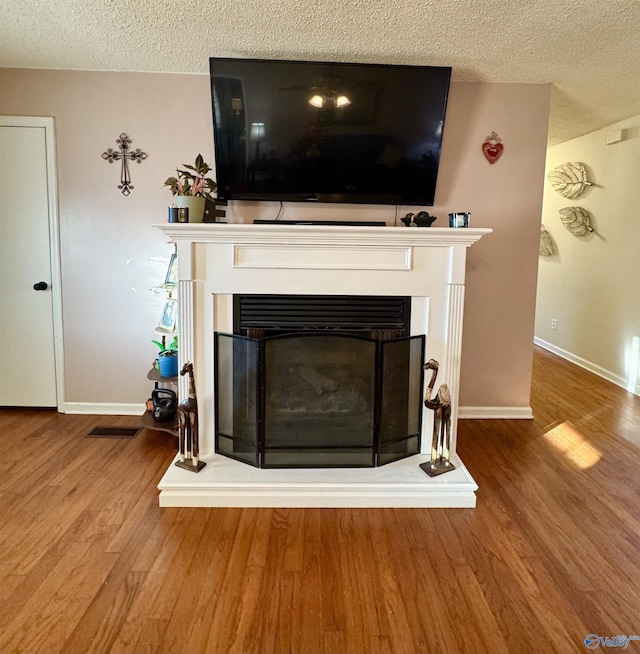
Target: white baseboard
495,413
86,408
587,365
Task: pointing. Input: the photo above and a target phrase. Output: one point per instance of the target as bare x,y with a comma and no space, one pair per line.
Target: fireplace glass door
400,398
319,400
310,399
237,397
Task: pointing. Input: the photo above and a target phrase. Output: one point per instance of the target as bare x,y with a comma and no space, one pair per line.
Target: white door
27,218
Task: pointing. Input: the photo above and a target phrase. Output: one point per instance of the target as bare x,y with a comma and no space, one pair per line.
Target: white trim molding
48,124
291,256
587,365
495,413
88,409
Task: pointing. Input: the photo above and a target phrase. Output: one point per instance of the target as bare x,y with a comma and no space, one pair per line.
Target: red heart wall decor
492,148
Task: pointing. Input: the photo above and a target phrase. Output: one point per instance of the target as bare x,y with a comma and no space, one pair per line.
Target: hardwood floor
89,563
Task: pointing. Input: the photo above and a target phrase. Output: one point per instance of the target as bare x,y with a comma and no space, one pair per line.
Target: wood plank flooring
90,563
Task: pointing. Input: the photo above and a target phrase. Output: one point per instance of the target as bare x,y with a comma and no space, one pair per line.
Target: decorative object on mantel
192,189
137,155
459,219
546,243
212,210
576,220
421,219
569,179
441,441
492,148
188,426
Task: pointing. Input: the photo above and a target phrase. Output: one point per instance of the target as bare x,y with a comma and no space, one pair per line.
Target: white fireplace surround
215,261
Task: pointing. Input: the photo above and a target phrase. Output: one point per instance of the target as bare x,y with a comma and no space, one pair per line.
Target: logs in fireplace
318,381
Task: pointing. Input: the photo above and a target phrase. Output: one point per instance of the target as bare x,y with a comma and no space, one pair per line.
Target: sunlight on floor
568,440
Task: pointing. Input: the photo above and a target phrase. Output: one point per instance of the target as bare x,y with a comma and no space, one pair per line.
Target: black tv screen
327,132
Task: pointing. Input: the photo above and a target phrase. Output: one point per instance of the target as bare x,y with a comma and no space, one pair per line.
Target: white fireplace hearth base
228,483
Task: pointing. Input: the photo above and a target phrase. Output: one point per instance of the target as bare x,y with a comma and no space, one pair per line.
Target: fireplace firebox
318,382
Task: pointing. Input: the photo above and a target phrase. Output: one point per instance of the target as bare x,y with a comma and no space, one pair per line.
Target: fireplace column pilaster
186,330
453,353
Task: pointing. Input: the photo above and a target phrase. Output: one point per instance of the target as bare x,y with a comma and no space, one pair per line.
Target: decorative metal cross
136,155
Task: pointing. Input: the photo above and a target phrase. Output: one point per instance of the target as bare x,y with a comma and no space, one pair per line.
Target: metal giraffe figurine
188,426
441,441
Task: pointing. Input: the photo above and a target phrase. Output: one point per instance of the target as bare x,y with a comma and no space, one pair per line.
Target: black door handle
40,286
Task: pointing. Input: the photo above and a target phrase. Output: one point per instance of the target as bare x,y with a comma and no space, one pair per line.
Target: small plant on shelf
167,350
167,361
195,183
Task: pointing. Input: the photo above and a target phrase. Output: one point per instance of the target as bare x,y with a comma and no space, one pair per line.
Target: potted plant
191,188
167,361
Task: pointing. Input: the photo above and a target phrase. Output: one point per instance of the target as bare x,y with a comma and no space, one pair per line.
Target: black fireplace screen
313,399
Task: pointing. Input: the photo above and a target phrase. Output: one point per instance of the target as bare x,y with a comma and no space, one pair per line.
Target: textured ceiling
589,50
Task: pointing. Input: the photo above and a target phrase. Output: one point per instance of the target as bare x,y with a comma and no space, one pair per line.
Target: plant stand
147,419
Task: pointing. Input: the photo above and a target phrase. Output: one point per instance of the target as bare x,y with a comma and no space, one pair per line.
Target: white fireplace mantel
216,261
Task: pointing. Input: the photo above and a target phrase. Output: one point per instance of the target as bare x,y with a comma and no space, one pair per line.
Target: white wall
592,284
112,254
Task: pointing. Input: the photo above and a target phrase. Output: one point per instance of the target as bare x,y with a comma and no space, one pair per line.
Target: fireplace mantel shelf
322,234
218,260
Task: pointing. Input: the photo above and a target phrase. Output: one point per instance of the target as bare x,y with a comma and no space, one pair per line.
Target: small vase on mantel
194,204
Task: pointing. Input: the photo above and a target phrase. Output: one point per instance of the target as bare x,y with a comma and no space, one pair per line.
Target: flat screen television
327,132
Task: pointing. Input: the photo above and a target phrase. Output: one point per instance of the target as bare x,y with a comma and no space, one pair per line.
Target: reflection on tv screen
327,132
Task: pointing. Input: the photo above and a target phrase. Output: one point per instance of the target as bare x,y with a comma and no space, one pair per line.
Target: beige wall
592,284
502,268
111,254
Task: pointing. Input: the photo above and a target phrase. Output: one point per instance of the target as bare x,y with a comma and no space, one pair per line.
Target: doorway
31,295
